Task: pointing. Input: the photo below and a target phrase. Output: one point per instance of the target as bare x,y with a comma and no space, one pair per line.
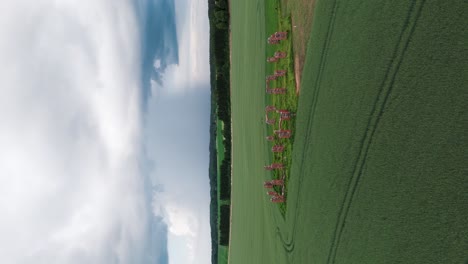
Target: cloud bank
73,189
177,138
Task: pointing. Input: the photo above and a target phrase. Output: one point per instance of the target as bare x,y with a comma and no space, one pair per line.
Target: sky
104,131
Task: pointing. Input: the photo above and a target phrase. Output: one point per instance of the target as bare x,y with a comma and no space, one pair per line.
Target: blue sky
159,33
104,120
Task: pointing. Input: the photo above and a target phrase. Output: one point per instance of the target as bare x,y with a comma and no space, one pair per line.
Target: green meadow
378,168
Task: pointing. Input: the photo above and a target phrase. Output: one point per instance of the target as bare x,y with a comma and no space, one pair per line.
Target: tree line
218,14
213,175
220,65
224,225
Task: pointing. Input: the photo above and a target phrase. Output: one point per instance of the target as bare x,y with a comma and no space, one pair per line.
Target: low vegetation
277,22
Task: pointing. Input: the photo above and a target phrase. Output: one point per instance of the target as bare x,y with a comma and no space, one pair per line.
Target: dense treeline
213,171
225,168
220,62
219,47
225,219
218,13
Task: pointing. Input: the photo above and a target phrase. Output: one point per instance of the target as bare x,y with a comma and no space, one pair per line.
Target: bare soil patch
301,17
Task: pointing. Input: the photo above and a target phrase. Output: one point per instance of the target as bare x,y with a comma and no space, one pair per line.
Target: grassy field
379,169
253,237
223,254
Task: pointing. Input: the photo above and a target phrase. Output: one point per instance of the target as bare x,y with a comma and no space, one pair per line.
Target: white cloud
157,64
71,188
182,222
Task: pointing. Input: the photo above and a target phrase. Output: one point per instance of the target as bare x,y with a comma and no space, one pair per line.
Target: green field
222,255
379,169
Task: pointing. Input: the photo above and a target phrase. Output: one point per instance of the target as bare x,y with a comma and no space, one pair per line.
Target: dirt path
301,18
297,73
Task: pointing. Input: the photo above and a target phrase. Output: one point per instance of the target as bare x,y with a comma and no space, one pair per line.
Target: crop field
379,170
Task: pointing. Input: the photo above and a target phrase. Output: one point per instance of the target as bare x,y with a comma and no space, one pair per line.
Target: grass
223,254
253,237
379,162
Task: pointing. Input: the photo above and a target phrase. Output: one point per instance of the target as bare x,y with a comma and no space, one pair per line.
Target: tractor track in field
289,245
377,111
373,121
